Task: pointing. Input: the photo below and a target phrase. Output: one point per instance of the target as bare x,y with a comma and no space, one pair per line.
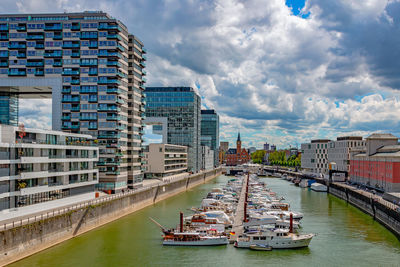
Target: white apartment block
339,151
314,156
207,158
39,166
165,160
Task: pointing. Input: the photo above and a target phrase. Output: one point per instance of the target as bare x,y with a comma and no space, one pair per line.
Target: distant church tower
238,145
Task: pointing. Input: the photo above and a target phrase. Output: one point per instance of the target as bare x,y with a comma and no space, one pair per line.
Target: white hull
217,241
277,243
319,187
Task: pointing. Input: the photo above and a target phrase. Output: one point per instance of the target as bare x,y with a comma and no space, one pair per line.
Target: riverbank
51,228
346,236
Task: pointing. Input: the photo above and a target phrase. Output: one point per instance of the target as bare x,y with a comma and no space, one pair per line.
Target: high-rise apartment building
175,113
210,128
92,68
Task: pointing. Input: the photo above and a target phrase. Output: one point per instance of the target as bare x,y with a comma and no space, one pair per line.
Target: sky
282,72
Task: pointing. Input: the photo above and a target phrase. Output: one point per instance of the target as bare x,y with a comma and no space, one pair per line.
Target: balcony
12,72
4,37
39,46
144,50
114,63
113,118
12,45
57,64
53,54
75,54
75,27
69,45
3,53
21,55
35,37
75,108
39,73
70,72
76,81
35,64
54,27
113,172
109,27
109,136
21,28
65,118
4,27
4,64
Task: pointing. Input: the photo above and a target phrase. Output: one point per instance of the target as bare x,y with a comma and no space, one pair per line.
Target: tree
258,156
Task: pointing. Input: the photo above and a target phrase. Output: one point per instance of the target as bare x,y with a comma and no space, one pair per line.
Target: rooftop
381,136
343,138
320,141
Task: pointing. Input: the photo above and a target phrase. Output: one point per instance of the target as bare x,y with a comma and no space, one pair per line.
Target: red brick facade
240,157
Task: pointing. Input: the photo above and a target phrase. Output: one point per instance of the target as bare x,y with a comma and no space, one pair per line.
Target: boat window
263,238
256,238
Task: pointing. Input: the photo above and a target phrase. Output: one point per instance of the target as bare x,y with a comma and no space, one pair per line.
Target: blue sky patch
296,6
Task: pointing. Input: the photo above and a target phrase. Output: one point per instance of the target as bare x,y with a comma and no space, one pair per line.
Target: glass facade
102,70
181,105
8,108
210,128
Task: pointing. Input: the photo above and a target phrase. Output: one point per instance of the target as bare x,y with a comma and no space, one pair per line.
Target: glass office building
210,129
99,68
180,106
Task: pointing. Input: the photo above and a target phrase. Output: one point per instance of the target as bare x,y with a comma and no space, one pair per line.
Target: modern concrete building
210,128
174,112
165,160
38,166
339,151
314,156
92,68
378,166
207,158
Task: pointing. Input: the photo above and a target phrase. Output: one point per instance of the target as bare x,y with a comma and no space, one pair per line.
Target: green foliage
258,156
279,158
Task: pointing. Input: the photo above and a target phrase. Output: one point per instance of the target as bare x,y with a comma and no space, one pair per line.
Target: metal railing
32,218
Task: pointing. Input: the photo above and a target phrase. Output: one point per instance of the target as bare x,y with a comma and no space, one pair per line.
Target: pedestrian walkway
237,226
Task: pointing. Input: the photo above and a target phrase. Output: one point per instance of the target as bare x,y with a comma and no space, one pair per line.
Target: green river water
345,237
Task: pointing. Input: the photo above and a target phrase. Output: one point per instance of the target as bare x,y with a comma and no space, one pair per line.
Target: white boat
193,239
304,183
275,239
319,187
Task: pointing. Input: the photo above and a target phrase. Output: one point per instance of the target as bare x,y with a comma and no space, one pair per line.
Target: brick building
237,156
377,166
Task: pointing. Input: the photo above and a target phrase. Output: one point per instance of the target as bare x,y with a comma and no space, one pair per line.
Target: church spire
238,138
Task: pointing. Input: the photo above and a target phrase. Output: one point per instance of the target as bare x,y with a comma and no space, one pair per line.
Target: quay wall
48,229
369,204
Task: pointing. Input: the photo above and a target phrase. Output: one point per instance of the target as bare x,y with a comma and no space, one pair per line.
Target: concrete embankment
50,228
381,210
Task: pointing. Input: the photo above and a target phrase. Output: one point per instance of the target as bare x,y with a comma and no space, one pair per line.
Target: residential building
314,156
339,151
210,127
165,160
92,68
174,112
238,155
378,165
207,158
38,166
266,146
